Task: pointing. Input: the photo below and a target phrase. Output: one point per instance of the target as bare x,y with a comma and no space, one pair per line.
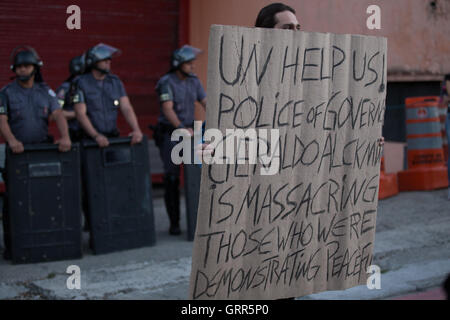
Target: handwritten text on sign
310,227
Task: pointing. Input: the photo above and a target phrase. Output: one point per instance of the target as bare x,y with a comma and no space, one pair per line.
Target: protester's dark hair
266,17
447,77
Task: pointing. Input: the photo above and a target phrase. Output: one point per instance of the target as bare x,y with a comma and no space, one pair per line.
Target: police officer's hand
64,144
102,141
136,137
16,146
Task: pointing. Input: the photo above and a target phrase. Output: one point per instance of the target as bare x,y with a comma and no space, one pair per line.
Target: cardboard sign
310,225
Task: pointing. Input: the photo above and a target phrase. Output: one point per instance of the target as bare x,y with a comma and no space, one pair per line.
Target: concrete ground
412,248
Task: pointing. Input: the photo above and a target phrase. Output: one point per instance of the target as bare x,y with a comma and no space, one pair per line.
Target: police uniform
28,110
183,94
102,99
102,104
65,94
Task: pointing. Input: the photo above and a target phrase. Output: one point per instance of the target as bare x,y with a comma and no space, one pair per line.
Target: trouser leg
5,216
172,201
171,183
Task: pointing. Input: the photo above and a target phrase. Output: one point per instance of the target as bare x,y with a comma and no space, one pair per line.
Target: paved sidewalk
412,248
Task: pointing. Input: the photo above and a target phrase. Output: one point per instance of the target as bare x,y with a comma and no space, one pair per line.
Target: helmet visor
103,51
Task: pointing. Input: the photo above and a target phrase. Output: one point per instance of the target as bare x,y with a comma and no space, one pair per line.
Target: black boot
172,201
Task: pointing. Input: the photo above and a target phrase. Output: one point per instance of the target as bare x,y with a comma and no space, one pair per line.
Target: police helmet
76,65
100,52
184,54
25,55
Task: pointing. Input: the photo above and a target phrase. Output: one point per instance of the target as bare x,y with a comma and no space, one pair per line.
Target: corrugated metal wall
145,31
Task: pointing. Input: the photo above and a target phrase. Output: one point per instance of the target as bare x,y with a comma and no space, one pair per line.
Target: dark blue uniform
28,110
102,99
183,94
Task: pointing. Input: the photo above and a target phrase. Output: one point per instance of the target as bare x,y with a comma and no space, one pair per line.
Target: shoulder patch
164,97
76,98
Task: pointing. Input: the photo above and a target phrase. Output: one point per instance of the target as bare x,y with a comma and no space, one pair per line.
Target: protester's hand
16,146
136,136
64,144
381,141
204,150
102,141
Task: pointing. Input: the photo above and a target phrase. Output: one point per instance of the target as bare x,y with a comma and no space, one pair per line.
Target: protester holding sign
310,226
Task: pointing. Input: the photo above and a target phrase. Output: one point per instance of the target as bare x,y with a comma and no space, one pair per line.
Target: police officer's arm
127,110
15,145
166,98
169,113
203,103
64,144
69,115
80,112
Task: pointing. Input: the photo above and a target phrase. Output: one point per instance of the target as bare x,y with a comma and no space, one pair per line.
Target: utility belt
164,128
159,130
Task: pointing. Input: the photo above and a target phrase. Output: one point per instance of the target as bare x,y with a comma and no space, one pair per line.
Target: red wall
145,31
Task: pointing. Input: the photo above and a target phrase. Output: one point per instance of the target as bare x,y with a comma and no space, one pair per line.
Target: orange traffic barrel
388,183
426,167
442,118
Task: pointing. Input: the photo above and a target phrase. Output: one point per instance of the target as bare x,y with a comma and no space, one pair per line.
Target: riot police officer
100,95
177,90
26,105
65,94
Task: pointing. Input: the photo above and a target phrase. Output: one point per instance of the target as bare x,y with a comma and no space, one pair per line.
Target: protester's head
278,16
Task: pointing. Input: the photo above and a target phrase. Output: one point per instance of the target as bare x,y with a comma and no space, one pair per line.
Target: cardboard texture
309,227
